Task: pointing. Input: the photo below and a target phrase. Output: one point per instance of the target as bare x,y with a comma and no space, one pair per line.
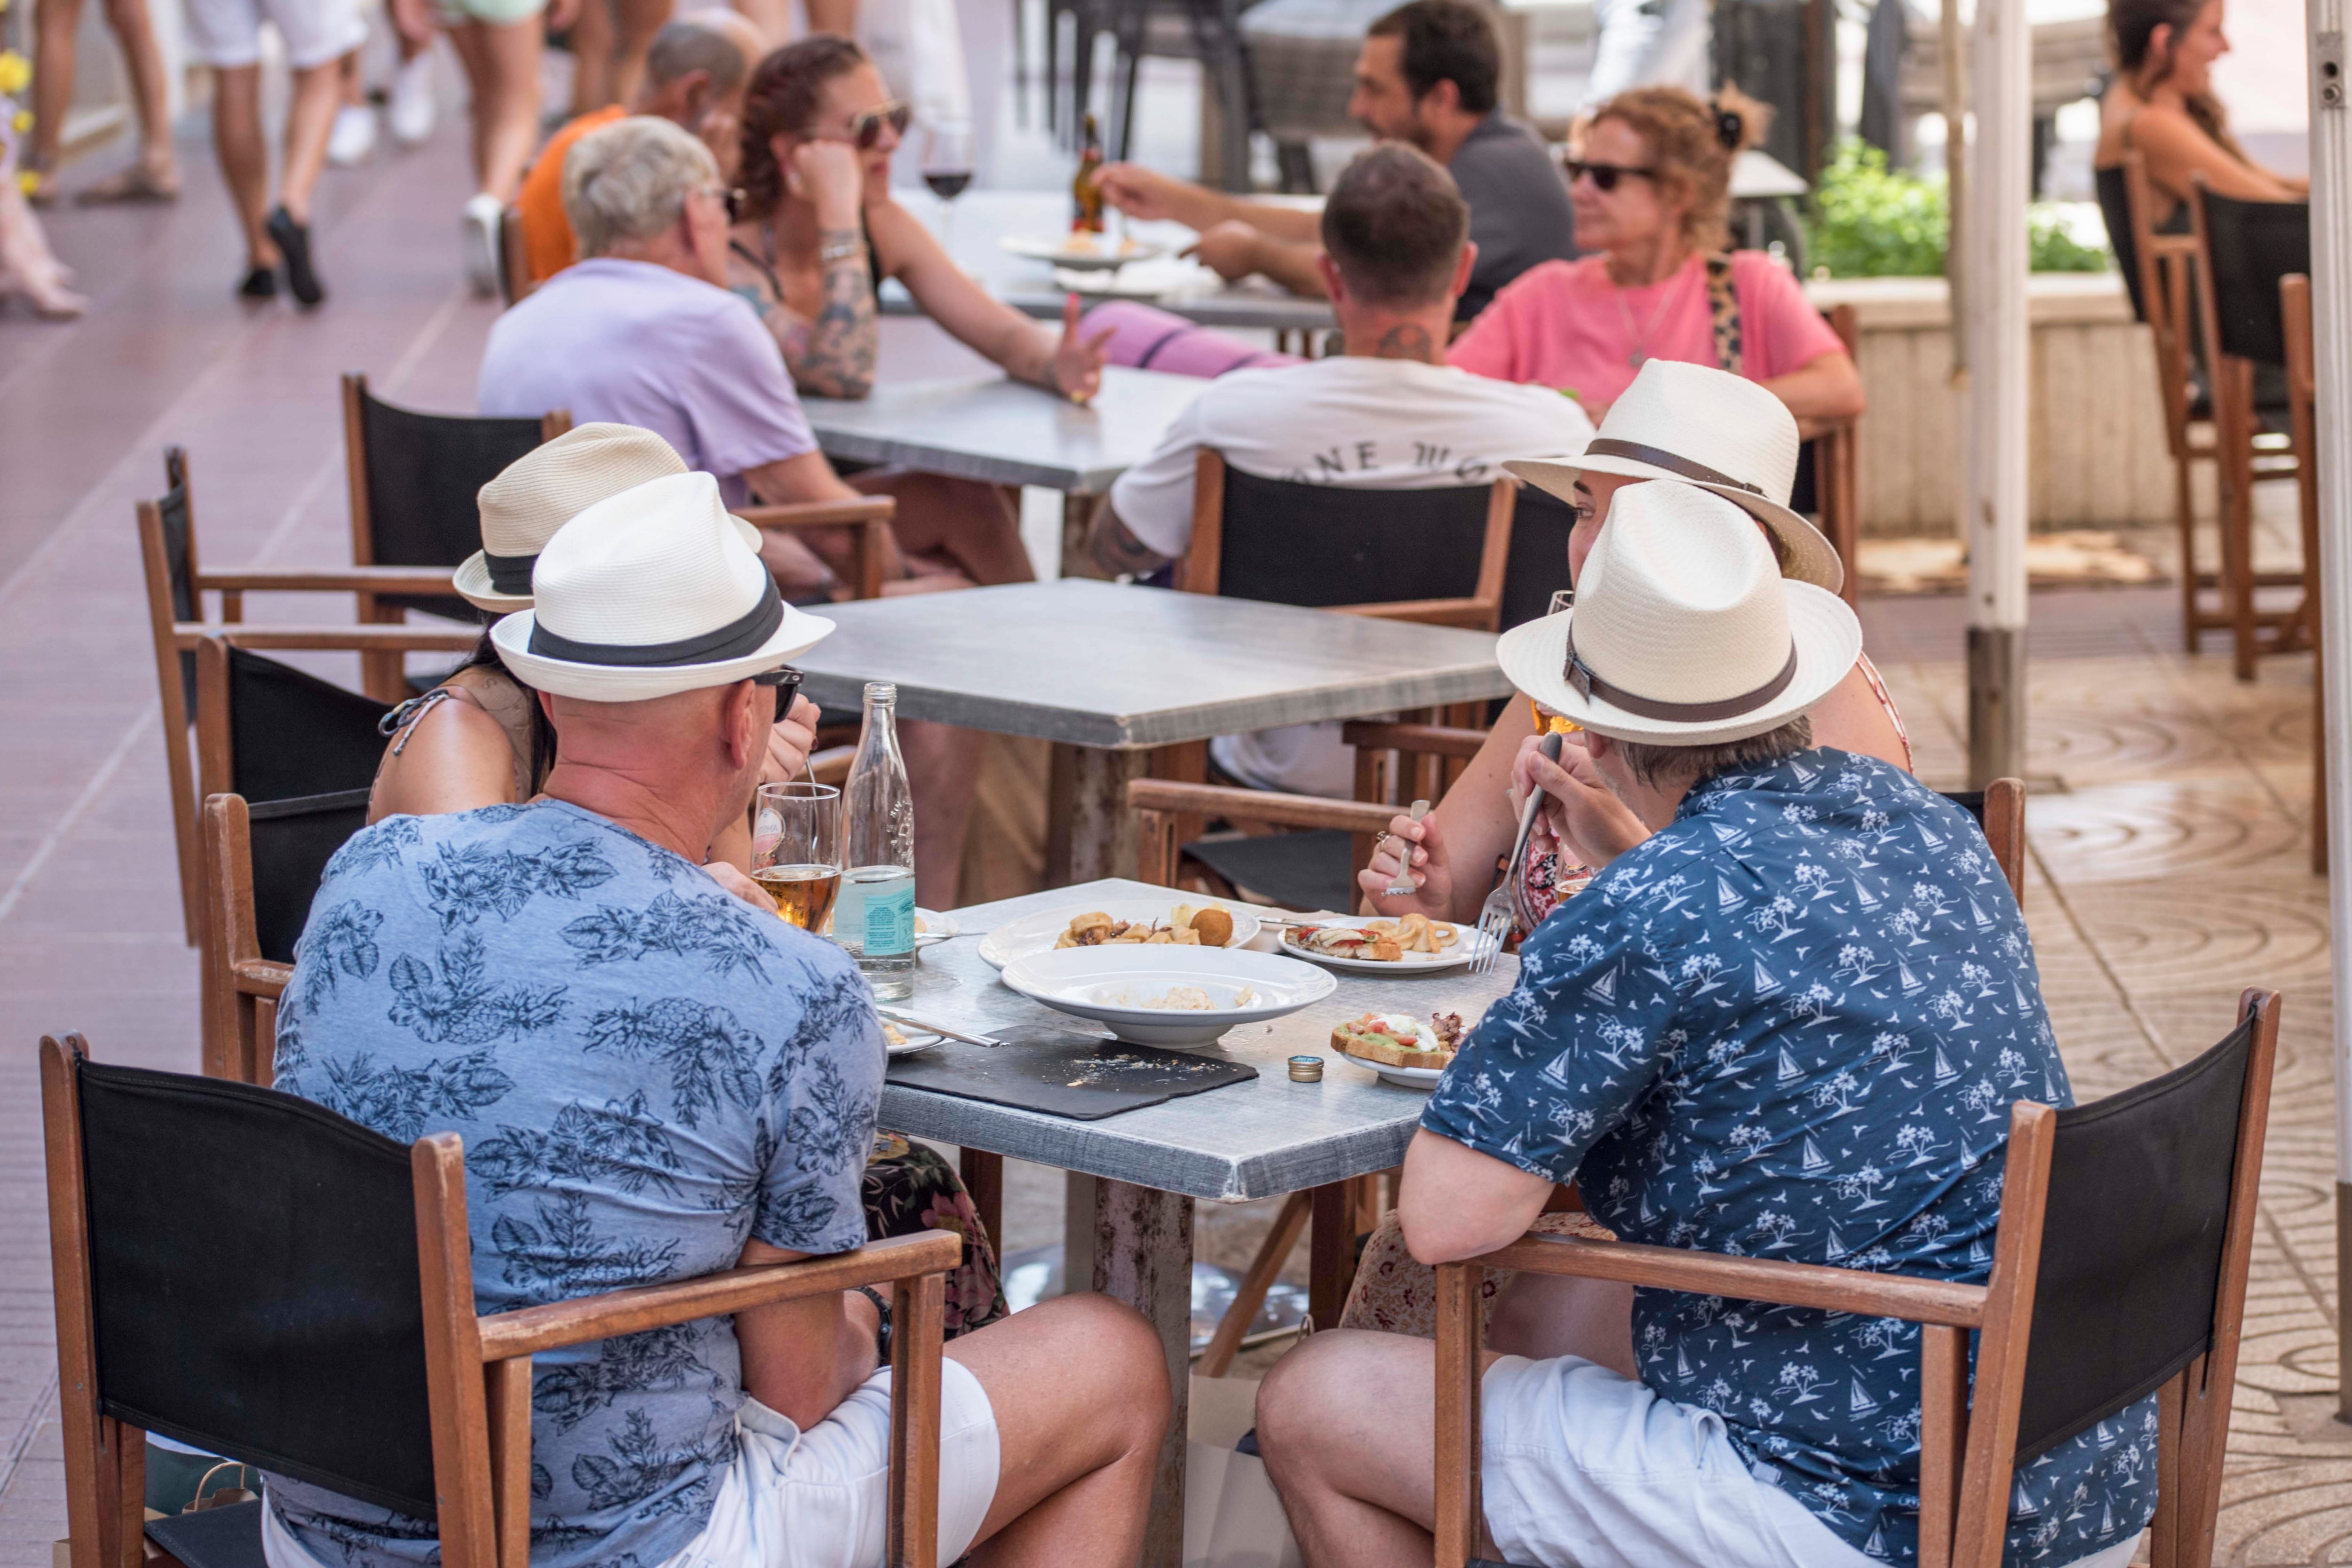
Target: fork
1401,885
1495,916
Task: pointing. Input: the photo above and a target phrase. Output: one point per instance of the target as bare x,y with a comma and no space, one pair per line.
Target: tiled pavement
2168,866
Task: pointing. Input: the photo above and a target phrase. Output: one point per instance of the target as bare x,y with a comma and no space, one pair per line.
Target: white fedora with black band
1684,632
649,594
1711,429
545,488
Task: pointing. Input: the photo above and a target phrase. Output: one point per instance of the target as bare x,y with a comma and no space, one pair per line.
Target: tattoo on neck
1406,340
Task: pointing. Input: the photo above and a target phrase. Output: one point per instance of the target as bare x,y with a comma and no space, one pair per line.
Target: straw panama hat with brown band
1706,427
649,594
545,488
1684,632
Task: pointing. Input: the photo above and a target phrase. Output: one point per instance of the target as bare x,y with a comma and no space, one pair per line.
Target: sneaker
478,230
293,243
412,101
354,137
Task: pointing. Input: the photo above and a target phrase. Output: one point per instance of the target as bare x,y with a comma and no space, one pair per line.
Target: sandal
136,183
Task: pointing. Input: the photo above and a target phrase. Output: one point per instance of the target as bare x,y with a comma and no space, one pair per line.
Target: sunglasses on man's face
865,133
787,684
1604,175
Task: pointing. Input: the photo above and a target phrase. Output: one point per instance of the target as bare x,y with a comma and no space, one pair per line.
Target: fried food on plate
1350,942
1188,927
1416,932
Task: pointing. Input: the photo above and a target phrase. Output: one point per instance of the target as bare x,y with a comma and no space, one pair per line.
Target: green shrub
1870,221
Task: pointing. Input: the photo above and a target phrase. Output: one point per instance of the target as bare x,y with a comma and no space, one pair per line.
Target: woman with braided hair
1651,189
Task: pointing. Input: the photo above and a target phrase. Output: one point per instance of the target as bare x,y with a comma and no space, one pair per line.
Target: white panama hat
545,488
1709,428
647,593
1684,631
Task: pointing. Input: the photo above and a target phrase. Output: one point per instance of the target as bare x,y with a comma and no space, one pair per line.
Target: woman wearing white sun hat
1676,423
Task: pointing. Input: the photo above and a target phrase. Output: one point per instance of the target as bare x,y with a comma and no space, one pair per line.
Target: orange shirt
547,242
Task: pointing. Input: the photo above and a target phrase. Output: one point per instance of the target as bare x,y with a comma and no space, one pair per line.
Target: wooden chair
176,615
413,479
2302,400
265,861
515,284
2245,250
166,1304
1837,485
867,517
2120,1265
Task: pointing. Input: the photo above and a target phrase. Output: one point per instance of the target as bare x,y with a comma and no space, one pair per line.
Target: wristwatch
882,1331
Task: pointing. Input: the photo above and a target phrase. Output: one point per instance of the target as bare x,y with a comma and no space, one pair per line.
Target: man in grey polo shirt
1428,75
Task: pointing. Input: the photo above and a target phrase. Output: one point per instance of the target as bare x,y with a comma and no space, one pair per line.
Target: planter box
2099,458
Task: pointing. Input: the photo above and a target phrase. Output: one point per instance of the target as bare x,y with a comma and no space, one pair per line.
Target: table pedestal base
1144,1257
1089,831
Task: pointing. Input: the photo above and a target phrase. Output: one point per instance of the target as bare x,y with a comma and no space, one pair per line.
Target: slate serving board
1061,1073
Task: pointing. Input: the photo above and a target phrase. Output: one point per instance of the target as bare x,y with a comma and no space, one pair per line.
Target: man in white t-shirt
1387,414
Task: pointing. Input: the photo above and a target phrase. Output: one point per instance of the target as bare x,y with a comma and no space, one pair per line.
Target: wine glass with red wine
946,170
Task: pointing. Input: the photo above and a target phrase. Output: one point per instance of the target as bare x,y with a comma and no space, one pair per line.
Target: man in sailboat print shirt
1791,1025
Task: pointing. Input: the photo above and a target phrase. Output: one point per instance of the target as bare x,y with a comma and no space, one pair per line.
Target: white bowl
1038,933
1113,985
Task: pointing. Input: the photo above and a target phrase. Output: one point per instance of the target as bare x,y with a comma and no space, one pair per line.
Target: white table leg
1144,1257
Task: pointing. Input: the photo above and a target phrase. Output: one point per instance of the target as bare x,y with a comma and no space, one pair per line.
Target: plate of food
1375,946
1168,995
1121,922
931,928
1404,1050
899,1038
1084,251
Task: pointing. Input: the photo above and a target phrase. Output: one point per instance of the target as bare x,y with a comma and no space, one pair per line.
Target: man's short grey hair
630,181
1654,764
689,44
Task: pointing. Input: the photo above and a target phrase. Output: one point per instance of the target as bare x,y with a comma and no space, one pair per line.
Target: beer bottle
1086,191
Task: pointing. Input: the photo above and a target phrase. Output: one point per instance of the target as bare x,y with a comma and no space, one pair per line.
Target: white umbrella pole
2331,305
2000,186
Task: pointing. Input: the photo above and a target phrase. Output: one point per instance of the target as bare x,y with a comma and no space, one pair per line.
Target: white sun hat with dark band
545,488
1684,631
647,593
1710,428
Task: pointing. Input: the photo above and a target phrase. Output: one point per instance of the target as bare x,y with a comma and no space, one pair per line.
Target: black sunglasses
787,682
1604,175
865,130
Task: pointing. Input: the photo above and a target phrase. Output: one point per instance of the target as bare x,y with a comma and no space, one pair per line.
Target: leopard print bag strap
1723,305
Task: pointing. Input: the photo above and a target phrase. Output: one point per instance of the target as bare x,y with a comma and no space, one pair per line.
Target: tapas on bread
1415,941
1400,1048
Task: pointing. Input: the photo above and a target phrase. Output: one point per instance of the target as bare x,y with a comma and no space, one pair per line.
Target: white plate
1070,250
1038,933
1466,947
1110,985
917,1040
931,928
1402,1077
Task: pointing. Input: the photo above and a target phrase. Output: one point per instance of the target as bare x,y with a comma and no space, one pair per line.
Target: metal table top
1100,665
1230,1145
1004,432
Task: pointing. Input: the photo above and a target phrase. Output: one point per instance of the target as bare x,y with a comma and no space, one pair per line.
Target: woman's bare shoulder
1853,718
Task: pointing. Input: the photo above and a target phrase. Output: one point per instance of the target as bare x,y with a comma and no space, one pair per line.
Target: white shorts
1582,1467
821,1499
227,33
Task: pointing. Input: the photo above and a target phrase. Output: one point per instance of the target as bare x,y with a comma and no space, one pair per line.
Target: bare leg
26,265
773,17
833,17
55,22
1080,1392
637,23
502,66
592,55
944,770
961,522
1542,1316
309,121
1349,1429
244,155
136,31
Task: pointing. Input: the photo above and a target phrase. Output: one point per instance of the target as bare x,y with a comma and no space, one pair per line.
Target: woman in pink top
1651,194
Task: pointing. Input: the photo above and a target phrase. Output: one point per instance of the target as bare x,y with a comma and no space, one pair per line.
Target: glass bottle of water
874,915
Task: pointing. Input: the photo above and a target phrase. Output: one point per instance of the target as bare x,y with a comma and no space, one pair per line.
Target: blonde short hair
630,181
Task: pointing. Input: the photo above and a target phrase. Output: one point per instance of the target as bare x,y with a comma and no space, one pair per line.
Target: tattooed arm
1118,552
833,355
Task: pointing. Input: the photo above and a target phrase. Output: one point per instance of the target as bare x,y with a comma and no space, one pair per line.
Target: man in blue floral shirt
655,1079
1787,1021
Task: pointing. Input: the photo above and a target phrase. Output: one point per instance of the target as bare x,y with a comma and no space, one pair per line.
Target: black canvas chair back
291,844
2140,1185
424,471
2253,245
1537,566
293,734
1319,545
1968,800
2115,207
253,1281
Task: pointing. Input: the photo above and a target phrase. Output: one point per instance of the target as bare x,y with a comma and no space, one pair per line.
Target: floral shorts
909,1189
1395,1294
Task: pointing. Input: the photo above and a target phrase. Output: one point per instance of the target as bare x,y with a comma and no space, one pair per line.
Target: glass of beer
1547,721
796,850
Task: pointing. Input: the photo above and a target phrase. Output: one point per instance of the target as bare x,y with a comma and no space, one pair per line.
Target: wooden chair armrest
832,765
1474,614
529,1331
261,978
387,639
1424,739
328,580
822,513
1258,806
1746,1278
